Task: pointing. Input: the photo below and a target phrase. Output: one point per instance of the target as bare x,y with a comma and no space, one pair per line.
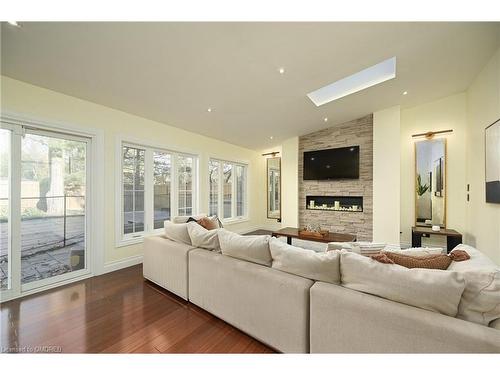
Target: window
156,185
227,196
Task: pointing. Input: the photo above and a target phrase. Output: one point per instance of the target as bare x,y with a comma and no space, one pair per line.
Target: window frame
220,193
125,239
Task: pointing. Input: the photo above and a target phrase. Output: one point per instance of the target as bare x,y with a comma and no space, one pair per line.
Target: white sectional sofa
295,314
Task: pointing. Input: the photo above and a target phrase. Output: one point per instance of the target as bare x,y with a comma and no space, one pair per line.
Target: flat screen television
332,164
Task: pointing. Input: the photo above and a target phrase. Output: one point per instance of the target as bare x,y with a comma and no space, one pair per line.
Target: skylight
361,80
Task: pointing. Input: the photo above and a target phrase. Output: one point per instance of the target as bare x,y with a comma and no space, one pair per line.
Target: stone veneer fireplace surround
353,133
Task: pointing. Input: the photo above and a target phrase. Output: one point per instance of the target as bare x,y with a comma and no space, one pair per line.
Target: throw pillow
250,248
480,301
438,262
306,263
417,251
209,223
433,290
184,219
177,232
203,238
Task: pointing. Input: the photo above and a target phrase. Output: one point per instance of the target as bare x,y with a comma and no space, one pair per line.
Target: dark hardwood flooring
118,312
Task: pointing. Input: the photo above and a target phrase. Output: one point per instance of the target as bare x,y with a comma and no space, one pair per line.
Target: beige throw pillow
203,238
184,219
177,232
306,263
433,290
250,248
480,301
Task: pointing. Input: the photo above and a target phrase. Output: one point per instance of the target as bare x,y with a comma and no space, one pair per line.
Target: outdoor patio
46,250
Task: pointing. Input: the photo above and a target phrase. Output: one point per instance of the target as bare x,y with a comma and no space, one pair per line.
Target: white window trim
220,196
122,239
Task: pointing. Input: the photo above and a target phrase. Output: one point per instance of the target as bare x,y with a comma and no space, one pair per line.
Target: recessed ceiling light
281,70
405,93
325,119
13,23
271,137
209,110
361,80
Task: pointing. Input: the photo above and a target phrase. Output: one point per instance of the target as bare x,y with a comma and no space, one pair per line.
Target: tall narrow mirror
430,182
274,188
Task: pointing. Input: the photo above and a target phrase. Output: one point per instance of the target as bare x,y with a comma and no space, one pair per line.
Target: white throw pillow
184,219
306,263
434,290
480,302
177,232
477,262
203,238
250,248
417,251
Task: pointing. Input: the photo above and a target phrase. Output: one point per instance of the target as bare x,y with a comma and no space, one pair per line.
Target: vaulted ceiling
174,72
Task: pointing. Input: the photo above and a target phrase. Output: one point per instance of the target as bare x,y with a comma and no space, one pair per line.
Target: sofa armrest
348,321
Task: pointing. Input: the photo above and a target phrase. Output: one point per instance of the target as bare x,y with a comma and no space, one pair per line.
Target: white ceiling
173,72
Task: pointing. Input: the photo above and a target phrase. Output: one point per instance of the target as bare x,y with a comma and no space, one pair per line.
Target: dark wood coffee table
290,233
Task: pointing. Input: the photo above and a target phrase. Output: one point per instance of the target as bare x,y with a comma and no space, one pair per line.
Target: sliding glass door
5,156
44,226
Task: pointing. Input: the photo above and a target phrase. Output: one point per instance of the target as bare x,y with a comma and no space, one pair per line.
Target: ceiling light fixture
271,138
281,70
325,119
361,80
209,110
13,23
405,93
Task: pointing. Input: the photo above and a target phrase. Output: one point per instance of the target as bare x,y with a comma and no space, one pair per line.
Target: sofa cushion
203,238
306,263
433,290
250,248
177,232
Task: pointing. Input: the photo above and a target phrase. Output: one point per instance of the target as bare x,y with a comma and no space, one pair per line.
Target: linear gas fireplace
334,203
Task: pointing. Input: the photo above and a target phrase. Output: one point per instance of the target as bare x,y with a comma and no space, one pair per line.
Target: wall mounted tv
332,164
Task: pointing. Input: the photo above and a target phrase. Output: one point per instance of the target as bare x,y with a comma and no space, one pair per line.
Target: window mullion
233,191
220,192
174,188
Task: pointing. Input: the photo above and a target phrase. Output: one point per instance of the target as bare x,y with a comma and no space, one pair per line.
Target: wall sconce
273,153
430,135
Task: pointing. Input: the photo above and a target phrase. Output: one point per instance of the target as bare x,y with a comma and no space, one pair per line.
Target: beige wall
446,113
483,108
386,175
38,103
290,183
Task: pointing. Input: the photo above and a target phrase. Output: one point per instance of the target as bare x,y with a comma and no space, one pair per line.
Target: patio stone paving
43,253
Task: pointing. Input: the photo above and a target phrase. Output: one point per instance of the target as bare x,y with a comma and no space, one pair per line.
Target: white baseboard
122,263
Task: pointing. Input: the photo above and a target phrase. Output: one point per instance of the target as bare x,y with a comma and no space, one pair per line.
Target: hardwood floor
118,312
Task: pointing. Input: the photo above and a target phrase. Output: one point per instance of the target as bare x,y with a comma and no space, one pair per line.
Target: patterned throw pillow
438,261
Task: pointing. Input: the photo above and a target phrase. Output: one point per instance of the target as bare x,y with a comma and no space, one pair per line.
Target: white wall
386,175
483,108
290,182
38,103
442,114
